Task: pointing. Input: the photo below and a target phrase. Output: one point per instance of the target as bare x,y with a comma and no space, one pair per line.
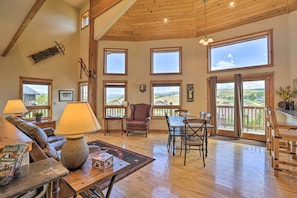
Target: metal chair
180,112
195,137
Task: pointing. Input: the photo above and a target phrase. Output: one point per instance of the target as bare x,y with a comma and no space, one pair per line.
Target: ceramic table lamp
77,119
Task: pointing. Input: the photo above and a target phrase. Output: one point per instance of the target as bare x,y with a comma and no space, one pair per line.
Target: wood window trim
166,83
166,49
238,39
105,51
41,81
125,83
83,16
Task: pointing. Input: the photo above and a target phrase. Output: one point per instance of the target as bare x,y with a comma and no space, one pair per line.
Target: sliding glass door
256,94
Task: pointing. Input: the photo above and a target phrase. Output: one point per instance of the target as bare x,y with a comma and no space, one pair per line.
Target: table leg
206,142
122,125
106,127
110,186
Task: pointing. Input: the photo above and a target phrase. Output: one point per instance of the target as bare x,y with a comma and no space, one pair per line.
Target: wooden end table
35,175
108,118
86,177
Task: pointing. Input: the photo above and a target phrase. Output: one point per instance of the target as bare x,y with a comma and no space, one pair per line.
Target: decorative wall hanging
65,95
142,87
83,68
42,55
190,93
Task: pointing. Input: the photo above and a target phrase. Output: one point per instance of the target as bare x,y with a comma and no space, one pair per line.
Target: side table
35,175
86,177
108,118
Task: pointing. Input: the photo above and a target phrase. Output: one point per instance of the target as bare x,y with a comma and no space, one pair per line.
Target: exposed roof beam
35,8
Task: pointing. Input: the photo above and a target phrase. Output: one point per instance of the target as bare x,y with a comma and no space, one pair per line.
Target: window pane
166,61
248,51
115,61
114,96
166,95
84,92
35,95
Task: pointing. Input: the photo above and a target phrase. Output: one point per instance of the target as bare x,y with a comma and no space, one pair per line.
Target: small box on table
102,161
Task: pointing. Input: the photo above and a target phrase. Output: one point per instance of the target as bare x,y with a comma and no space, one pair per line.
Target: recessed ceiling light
232,4
165,20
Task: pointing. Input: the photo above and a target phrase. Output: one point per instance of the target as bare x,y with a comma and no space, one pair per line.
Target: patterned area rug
136,160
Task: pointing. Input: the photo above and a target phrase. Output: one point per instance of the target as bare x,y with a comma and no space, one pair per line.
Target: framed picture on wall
65,95
190,93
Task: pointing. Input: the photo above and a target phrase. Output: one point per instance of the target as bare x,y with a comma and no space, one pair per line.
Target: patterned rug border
130,170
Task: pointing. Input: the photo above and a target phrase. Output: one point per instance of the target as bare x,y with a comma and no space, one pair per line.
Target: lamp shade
77,118
14,107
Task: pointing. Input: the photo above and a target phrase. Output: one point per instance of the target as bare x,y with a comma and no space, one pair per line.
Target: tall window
115,61
166,97
114,96
166,60
246,51
36,94
83,91
85,19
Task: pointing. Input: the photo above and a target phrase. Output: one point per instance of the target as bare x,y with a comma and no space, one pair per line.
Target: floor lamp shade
77,119
14,107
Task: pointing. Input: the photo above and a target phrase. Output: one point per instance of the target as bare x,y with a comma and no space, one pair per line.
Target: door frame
268,77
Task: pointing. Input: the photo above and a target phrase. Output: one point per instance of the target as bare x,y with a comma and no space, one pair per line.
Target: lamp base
75,152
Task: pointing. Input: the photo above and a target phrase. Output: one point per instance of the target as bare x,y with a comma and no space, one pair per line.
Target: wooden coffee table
86,177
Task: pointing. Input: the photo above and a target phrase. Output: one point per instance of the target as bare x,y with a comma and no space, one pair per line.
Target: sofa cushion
14,120
35,132
56,141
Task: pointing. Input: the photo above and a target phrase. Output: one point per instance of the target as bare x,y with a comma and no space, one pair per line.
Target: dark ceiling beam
35,8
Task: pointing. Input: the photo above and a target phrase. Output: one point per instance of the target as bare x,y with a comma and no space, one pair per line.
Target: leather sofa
45,139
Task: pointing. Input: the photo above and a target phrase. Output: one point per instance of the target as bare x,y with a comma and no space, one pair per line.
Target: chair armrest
128,118
49,131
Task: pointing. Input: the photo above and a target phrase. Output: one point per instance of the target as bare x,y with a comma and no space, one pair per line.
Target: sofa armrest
37,153
49,131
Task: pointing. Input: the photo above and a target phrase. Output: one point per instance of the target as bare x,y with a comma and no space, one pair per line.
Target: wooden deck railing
253,117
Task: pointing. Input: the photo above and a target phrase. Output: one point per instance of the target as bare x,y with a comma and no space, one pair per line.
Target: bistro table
178,122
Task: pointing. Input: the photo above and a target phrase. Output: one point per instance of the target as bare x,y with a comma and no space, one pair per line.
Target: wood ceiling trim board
35,8
100,6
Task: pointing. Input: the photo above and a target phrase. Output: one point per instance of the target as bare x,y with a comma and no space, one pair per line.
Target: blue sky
251,53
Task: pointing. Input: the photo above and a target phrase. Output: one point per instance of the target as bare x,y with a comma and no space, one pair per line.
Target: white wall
56,21
194,59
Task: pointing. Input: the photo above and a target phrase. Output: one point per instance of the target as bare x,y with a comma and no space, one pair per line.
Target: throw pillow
35,132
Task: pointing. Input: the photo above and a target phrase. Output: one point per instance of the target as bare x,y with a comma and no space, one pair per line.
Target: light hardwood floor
232,170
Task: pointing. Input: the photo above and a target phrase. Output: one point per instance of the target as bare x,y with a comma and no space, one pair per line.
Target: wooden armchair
140,117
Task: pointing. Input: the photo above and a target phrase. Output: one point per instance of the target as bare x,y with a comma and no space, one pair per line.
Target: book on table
11,158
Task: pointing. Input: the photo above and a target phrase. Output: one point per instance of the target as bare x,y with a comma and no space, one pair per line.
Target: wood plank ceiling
144,20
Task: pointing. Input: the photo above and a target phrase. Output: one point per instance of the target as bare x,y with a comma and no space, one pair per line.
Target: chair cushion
141,112
135,124
35,132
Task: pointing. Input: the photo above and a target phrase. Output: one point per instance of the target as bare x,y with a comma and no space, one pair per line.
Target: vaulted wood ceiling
144,20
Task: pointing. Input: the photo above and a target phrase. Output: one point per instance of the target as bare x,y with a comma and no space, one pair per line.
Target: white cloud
224,65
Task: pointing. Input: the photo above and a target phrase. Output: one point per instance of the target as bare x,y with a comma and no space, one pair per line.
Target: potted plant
286,94
38,116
